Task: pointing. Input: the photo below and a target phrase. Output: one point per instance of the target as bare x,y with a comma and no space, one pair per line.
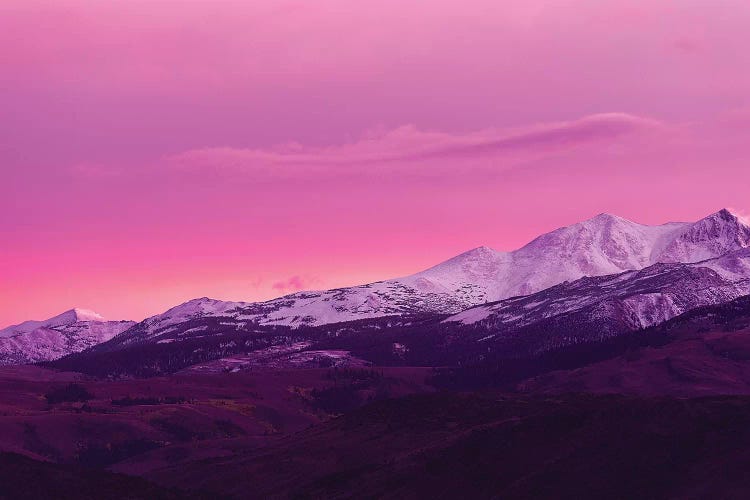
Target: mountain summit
49,339
715,235
67,318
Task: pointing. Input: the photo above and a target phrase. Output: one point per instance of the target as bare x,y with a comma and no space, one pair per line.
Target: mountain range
581,283
603,245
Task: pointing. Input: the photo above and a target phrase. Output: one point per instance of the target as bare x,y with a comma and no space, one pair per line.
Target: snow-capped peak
73,316
67,318
71,331
726,214
605,217
723,217
470,275
191,309
480,262
79,314
203,305
712,236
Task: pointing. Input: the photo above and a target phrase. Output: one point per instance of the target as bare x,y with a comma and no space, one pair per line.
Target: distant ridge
72,331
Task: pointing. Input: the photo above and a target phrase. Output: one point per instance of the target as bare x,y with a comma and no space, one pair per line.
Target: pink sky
150,153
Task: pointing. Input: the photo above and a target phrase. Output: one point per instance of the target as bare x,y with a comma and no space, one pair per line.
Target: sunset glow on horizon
152,153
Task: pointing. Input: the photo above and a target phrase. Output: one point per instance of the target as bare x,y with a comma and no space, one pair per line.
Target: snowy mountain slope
593,308
191,309
71,331
385,298
715,235
587,311
603,245
607,244
66,318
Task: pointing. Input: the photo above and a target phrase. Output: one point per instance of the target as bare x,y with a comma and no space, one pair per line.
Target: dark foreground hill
481,446
24,478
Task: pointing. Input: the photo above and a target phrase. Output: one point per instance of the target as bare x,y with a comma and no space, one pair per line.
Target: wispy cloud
408,144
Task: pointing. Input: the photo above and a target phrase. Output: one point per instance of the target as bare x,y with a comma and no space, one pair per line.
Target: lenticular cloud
410,144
